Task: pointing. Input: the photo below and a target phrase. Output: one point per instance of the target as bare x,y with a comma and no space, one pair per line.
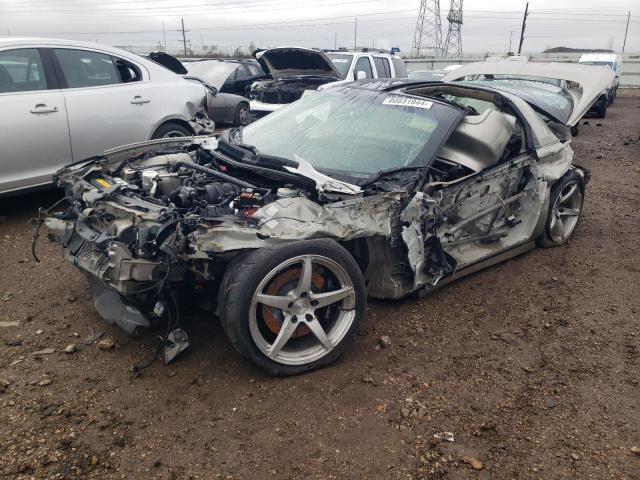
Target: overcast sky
321,23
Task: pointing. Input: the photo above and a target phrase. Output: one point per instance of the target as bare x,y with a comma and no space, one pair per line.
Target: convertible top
591,80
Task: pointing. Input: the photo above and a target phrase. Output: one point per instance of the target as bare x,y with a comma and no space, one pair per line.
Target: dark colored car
234,76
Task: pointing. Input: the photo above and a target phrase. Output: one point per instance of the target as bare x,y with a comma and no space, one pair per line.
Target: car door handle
42,108
138,100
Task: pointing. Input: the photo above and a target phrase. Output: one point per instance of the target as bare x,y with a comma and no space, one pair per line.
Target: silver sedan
64,101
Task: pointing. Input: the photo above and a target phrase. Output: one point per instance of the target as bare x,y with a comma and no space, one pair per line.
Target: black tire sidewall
250,270
163,129
237,120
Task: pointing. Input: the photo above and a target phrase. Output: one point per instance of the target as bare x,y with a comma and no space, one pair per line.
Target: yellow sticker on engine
103,182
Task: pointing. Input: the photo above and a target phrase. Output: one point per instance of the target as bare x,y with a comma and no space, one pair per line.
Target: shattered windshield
342,62
354,133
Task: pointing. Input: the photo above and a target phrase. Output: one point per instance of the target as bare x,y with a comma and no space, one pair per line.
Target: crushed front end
152,222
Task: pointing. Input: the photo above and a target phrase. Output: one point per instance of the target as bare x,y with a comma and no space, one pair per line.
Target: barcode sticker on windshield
403,101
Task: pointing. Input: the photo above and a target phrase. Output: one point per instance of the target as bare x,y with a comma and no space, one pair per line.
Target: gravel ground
532,365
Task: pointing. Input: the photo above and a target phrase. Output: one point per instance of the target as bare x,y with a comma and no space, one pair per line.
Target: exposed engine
286,89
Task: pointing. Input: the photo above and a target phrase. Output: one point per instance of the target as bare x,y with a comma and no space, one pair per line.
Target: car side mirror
213,90
360,75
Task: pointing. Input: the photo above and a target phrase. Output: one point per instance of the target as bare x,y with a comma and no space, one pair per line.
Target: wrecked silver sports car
377,189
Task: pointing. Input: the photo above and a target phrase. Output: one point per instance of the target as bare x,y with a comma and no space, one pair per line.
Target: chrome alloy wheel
565,212
313,308
243,115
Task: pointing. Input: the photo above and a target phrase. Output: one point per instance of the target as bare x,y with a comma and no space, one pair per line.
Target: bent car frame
377,189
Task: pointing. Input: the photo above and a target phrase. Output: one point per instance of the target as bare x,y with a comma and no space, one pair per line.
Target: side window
382,66
398,66
21,70
82,68
363,65
128,71
242,73
254,70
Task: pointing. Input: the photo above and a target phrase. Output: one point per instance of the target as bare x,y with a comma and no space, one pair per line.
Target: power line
194,9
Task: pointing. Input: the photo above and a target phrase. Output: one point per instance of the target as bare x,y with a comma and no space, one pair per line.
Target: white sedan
64,101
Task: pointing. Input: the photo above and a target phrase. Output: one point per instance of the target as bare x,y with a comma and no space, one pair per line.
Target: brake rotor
277,287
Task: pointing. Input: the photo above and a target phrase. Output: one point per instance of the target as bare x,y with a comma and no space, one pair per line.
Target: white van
610,60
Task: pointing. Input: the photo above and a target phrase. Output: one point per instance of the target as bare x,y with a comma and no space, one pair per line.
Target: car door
34,135
242,79
110,101
363,64
486,213
383,69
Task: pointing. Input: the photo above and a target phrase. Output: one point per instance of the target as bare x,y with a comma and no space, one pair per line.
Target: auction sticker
402,101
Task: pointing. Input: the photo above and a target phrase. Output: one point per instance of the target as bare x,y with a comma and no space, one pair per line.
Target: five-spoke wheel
565,206
295,307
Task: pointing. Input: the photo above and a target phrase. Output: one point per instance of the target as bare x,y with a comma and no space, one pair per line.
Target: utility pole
355,35
164,37
624,44
510,37
184,38
335,40
524,24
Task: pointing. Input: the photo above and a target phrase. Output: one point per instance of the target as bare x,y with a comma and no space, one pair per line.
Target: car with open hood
290,72
283,228
63,100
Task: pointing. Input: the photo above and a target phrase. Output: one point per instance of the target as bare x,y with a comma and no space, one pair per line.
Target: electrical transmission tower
453,43
428,36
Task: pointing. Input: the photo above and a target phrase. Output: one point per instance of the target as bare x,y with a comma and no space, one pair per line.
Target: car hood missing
586,83
291,61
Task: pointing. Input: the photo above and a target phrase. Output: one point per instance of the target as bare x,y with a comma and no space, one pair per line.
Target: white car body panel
30,155
592,80
89,120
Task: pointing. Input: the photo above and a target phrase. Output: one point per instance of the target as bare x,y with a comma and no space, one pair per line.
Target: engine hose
215,173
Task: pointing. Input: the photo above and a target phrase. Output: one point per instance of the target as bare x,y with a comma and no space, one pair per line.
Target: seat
480,140
6,80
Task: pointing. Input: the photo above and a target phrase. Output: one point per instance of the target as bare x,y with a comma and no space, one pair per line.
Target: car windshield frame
349,57
382,138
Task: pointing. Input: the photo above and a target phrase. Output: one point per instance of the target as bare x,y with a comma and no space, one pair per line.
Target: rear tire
170,130
293,308
602,111
565,206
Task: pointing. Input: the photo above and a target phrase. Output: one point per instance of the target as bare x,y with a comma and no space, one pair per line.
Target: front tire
293,308
565,206
170,130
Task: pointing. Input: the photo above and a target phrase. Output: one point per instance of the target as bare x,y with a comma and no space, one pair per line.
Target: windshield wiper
251,155
390,172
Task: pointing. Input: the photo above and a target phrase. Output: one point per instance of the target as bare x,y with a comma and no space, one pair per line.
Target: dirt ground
532,365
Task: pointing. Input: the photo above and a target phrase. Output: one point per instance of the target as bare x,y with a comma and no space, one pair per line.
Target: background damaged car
289,73
372,188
